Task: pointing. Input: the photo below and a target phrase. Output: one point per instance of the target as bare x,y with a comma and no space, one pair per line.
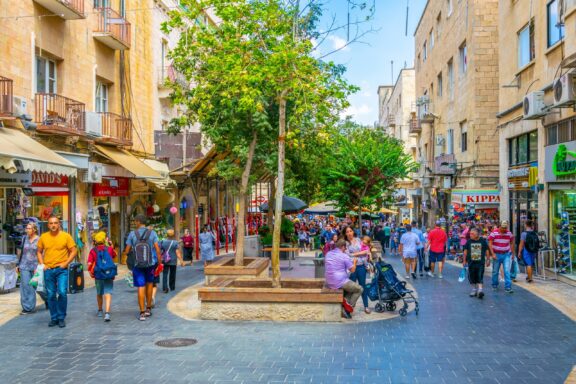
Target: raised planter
256,299
253,267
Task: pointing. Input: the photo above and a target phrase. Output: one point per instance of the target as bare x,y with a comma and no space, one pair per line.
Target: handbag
166,258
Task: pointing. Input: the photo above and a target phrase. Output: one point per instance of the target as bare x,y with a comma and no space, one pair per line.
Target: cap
100,237
438,222
504,224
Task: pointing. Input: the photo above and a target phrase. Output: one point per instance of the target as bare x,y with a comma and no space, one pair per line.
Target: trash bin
319,267
8,275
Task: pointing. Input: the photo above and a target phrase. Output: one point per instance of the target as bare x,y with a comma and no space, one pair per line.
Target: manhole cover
176,343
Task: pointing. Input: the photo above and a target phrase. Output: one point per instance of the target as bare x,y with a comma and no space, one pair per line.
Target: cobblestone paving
515,338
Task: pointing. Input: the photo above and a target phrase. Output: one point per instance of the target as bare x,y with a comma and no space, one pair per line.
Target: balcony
58,114
6,97
391,119
415,127
425,113
116,129
113,30
66,9
169,74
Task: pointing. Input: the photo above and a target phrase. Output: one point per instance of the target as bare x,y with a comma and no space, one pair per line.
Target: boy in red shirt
104,288
437,239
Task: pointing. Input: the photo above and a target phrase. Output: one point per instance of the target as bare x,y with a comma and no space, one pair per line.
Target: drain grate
176,343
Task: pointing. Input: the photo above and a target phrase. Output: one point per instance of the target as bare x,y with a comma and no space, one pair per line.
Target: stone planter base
255,299
254,267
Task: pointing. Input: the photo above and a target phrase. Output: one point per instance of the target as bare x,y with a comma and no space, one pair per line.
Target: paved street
504,339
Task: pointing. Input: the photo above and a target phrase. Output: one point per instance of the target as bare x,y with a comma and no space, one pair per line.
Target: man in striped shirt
501,243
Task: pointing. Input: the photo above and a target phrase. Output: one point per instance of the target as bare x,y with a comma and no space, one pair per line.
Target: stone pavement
516,338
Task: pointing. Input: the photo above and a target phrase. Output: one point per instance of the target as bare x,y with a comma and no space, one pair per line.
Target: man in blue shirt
327,234
419,249
144,277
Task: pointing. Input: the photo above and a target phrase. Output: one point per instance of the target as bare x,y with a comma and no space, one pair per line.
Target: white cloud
357,111
338,43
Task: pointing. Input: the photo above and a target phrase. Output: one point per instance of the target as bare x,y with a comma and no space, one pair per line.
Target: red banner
112,186
42,179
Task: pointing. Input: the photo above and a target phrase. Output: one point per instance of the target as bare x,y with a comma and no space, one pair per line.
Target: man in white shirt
409,243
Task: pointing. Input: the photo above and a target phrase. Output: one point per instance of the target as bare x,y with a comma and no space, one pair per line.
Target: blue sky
368,61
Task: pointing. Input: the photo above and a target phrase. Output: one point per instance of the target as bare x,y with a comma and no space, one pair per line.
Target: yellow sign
533,176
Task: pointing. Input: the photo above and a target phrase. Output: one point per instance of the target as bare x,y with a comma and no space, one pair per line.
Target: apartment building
456,80
397,112
537,124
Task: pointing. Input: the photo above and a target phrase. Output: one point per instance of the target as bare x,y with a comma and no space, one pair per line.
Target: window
451,79
418,62
431,91
449,7
45,75
450,142
431,39
463,59
101,3
101,97
164,53
523,149
440,85
555,29
424,52
526,45
464,136
438,19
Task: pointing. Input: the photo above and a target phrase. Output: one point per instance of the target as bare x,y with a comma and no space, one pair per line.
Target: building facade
397,111
537,126
456,77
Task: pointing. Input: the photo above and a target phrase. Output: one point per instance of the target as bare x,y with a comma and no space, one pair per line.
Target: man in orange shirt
56,250
437,239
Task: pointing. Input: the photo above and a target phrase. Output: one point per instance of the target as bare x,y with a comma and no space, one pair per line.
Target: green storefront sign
561,166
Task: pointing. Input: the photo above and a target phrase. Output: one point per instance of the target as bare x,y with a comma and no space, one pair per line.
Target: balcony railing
58,114
391,121
170,74
113,30
415,127
6,96
116,129
67,9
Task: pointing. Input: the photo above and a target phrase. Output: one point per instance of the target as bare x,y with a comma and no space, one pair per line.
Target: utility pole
184,144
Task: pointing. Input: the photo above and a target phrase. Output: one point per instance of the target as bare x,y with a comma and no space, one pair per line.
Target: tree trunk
241,225
279,191
360,219
271,200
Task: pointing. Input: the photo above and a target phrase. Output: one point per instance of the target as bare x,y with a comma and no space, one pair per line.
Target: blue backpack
105,269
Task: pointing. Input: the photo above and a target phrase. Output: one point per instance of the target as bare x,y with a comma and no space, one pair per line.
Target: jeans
360,276
504,260
56,283
386,243
514,269
420,261
169,269
27,293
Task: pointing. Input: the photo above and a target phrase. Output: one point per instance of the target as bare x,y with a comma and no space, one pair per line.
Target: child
394,243
104,288
367,246
475,256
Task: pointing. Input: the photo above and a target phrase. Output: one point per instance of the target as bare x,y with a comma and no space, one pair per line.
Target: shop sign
522,177
560,162
518,172
445,164
111,186
18,179
476,197
43,179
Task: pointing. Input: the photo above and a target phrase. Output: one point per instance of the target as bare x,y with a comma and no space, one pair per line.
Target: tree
364,167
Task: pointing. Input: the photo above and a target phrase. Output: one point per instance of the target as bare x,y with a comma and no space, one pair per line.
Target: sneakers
100,313
345,314
26,312
413,275
53,323
480,295
440,276
346,306
509,290
421,274
407,277
430,274
61,323
473,293
107,317
494,288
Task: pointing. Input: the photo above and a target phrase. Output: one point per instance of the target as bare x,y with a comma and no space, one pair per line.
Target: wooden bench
291,254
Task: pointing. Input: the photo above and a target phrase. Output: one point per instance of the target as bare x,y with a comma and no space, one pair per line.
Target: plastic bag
37,281
463,274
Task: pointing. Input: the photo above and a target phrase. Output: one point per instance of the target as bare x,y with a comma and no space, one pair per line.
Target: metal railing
116,128
170,74
110,21
76,5
56,111
415,126
6,96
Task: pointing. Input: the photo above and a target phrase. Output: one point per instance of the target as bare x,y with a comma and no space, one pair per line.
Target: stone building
536,120
396,114
456,79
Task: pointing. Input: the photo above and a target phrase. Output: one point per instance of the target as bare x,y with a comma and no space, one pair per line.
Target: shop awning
130,162
163,170
19,152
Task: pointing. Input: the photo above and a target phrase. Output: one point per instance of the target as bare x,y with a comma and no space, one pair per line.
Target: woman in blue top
354,250
27,265
206,240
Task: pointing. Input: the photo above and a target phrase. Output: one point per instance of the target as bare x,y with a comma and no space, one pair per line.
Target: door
3,234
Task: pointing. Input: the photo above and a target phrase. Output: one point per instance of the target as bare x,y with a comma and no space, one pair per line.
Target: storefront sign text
18,179
42,179
518,172
482,199
562,166
111,186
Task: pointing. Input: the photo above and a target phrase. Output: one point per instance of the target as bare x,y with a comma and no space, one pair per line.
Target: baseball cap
504,224
438,222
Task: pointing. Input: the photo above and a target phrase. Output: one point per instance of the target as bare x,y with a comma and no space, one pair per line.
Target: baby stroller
386,288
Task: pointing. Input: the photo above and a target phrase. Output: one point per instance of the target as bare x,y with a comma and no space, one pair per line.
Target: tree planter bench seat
253,267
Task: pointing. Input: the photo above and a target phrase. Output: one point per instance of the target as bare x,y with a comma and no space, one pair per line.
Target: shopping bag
514,268
37,281
463,274
426,261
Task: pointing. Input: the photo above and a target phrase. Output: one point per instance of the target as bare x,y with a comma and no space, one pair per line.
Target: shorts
143,276
410,255
436,257
475,273
528,258
104,287
303,242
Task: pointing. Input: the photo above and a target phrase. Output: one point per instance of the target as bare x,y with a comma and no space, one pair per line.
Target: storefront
560,176
108,197
523,196
476,204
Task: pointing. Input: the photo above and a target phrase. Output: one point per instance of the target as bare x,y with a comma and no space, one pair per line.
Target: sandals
142,316
148,312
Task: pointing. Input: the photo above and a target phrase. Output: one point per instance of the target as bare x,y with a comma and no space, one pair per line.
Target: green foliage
287,228
364,167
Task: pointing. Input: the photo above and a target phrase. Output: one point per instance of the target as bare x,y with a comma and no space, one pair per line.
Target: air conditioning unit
564,90
94,124
534,105
19,105
423,100
439,140
93,174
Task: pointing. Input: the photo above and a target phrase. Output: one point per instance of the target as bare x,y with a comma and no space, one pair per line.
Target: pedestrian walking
437,239
170,255
501,243
419,249
354,248
187,246
56,250
475,251
330,245
27,264
100,260
148,259
387,232
338,265
528,248
408,248
394,243
206,241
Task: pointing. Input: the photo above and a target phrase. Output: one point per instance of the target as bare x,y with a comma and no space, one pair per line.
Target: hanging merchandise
564,254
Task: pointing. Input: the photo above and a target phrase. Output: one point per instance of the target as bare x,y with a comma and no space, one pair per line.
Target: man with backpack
102,269
144,242
528,248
